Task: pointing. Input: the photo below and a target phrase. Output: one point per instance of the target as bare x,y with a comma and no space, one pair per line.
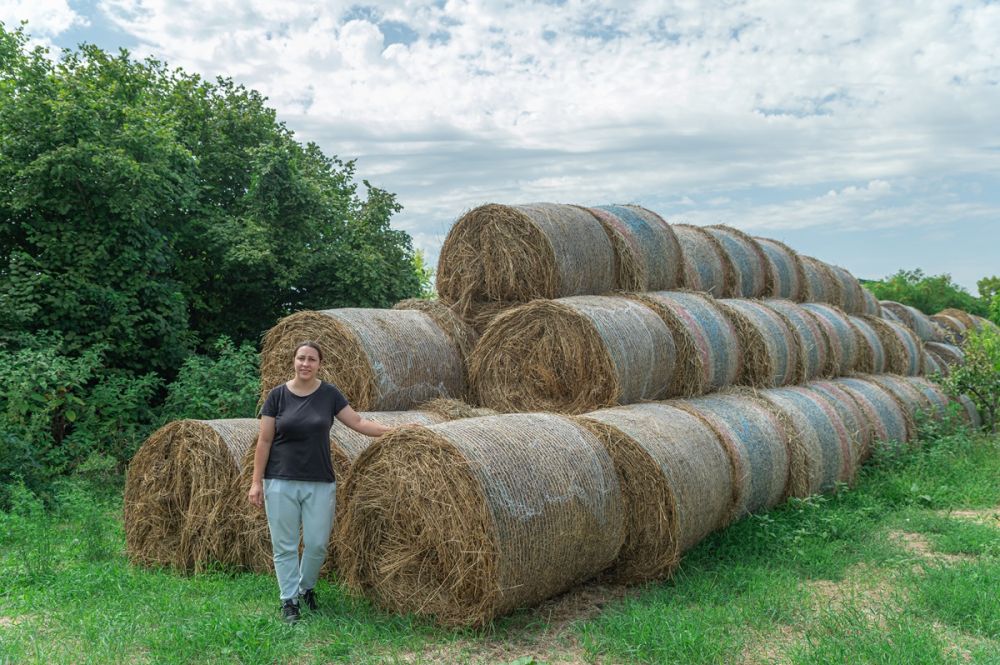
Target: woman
293,476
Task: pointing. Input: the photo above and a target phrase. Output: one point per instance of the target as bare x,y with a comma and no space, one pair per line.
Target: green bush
979,375
226,386
928,293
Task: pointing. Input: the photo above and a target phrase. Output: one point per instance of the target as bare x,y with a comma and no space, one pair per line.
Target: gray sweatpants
292,505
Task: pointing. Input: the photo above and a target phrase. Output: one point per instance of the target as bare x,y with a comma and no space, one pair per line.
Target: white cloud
46,18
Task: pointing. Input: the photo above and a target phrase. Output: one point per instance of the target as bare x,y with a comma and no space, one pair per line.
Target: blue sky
865,134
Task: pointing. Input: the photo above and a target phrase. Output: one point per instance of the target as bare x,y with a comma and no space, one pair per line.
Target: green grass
826,579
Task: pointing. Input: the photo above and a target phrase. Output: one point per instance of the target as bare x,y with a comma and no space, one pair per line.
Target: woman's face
306,363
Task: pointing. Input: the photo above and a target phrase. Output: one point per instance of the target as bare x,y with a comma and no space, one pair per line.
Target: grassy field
902,568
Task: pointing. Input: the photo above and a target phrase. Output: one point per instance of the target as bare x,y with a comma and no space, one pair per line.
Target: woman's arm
260,455
350,417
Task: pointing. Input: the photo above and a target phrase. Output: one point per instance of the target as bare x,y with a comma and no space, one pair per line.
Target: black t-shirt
301,446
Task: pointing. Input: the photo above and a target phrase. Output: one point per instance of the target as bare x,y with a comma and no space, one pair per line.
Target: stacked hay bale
841,336
921,324
946,355
787,274
751,271
822,284
903,351
647,254
871,352
952,328
769,345
814,344
470,519
891,421
380,359
707,267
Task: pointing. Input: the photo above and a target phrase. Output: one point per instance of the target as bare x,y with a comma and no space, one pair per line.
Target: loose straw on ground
573,355
770,349
471,519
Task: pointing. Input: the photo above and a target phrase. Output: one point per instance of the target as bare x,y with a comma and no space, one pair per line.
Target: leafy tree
226,385
929,294
979,375
988,287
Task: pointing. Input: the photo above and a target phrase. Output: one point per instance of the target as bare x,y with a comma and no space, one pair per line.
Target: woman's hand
256,494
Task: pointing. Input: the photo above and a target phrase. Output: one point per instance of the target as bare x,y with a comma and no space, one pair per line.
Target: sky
866,134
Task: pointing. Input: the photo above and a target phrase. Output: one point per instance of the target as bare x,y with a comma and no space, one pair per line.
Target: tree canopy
928,293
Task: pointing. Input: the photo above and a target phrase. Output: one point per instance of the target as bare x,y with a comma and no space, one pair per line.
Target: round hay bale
752,270
814,345
381,359
915,401
253,539
947,355
871,306
852,294
841,335
788,277
871,353
903,351
676,484
647,253
462,335
932,367
770,348
708,352
819,446
573,355
889,315
973,417
952,328
936,400
453,409
967,319
985,324
913,319
468,520
822,284
479,315
857,416
174,493
892,423
497,253
753,437
706,266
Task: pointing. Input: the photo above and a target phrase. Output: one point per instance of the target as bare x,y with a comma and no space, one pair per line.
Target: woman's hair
312,345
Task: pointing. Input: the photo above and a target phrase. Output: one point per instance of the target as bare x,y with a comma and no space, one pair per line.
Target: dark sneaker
309,598
290,611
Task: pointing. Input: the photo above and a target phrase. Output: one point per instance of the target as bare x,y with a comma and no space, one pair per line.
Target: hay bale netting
820,453
708,351
932,366
454,409
443,314
676,481
647,253
253,539
706,266
913,399
947,355
381,359
573,355
471,519
788,277
770,348
840,333
753,437
903,351
175,489
871,305
497,253
953,329
936,401
967,319
822,284
891,422
856,414
814,345
913,319
752,270
871,352
852,294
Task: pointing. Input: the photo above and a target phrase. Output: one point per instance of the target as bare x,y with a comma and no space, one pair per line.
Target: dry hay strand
676,484
454,409
707,267
871,352
814,345
841,334
497,253
967,319
573,355
819,446
253,539
769,347
903,351
856,415
468,520
752,270
381,359
461,334
753,437
947,355
822,283
175,513
871,305
708,351
647,253
953,329
479,315
892,423
912,318
788,277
